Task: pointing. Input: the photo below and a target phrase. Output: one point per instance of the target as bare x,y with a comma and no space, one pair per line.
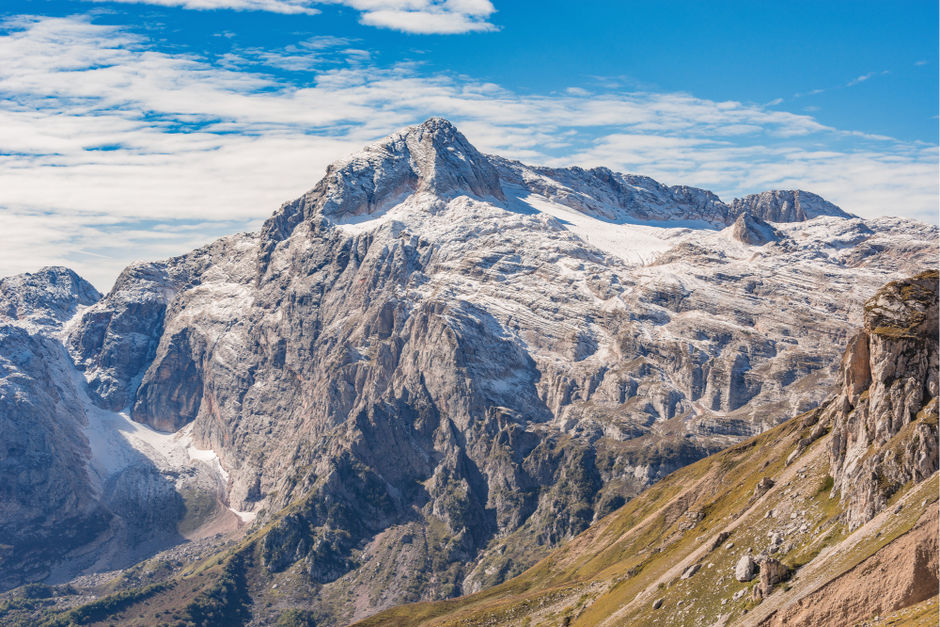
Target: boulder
762,486
745,569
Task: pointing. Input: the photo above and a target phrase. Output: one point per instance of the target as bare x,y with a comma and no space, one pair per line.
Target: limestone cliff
885,433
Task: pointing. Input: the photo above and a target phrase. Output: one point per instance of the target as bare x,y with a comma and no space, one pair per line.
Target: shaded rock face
74,492
114,345
885,421
786,206
410,352
47,503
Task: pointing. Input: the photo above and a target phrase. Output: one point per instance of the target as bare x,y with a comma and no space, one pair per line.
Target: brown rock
762,486
772,572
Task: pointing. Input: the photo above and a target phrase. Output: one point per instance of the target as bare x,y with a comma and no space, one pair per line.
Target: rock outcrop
786,206
750,229
772,572
885,421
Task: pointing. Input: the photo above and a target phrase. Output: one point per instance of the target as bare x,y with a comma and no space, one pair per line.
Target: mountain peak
435,157
432,157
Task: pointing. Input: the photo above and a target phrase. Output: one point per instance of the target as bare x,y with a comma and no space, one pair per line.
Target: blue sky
139,129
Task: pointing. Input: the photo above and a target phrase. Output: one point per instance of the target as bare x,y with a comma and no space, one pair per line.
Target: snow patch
635,244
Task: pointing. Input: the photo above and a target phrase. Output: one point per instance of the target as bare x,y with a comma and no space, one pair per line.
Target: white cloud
288,7
425,22
441,17
103,138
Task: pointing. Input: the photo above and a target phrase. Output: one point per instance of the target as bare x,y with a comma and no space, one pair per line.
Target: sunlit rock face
885,435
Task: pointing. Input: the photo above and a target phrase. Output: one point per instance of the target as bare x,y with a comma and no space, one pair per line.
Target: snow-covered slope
447,362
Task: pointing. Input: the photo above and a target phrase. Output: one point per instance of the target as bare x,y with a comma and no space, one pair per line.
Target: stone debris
721,537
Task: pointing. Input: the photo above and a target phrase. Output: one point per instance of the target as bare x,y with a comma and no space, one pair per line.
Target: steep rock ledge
885,426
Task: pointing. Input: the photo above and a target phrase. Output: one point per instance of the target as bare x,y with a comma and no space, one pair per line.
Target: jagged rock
762,486
690,571
786,206
884,422
658,603
745,569
772,572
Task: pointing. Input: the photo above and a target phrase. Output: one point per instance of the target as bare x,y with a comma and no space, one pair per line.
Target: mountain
837,526
428,371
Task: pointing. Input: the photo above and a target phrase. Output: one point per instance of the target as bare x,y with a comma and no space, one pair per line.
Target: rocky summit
425,374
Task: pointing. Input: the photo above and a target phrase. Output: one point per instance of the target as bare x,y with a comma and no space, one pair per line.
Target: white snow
633,243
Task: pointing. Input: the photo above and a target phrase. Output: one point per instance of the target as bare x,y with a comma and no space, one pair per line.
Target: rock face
47,503
449,362
786,206
885,428
75,493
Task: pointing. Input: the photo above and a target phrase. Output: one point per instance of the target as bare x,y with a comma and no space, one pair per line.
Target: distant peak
787,205
49,296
